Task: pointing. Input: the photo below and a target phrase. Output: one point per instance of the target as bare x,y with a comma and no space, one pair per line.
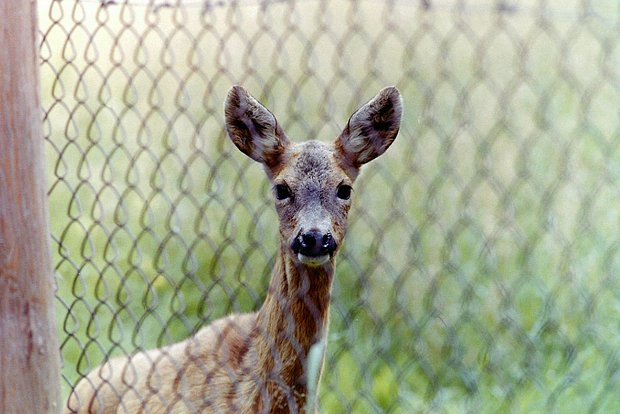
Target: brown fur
256,363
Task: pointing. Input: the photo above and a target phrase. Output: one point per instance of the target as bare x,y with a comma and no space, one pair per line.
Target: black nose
314,243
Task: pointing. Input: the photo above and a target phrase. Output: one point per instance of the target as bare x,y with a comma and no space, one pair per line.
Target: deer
258,362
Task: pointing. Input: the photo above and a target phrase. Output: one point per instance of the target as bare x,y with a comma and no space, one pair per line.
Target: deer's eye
344,192
282,191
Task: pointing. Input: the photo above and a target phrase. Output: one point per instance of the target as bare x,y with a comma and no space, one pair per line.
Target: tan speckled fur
255,363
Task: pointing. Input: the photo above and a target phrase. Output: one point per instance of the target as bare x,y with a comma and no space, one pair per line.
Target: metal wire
480,271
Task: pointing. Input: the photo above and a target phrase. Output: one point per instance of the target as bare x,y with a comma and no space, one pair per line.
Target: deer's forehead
313,162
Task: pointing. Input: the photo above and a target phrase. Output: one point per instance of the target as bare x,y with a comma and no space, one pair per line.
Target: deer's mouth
313,260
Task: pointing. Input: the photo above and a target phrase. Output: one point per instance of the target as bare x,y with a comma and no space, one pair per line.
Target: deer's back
209,372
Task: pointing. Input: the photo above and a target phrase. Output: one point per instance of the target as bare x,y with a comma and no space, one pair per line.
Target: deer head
312,181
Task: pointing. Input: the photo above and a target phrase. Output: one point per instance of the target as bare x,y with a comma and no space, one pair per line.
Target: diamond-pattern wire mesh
480,271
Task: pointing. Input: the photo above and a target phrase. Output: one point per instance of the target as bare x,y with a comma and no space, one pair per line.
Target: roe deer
256,363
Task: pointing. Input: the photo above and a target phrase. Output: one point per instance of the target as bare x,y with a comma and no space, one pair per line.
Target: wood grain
29,357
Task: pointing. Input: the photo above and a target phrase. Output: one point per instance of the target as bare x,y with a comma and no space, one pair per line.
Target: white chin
313,261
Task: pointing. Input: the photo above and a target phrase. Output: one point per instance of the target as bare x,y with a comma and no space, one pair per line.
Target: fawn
256,363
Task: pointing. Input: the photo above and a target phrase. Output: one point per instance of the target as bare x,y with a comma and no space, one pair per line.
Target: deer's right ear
371,129
253,128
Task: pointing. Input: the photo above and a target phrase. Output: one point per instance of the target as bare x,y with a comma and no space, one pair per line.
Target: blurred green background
480,270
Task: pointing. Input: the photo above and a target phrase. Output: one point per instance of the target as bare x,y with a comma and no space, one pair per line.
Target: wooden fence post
29,357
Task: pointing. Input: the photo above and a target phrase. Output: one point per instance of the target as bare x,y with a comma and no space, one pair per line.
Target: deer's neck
293,317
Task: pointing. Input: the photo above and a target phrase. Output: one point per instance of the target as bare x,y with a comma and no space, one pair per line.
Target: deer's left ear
371,129
253,128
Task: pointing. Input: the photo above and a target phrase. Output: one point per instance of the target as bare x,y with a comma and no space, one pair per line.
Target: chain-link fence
480,271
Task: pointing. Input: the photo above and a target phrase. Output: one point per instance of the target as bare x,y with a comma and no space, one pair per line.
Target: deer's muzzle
312,245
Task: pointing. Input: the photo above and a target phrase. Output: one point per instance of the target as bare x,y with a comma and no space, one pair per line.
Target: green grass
480,268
